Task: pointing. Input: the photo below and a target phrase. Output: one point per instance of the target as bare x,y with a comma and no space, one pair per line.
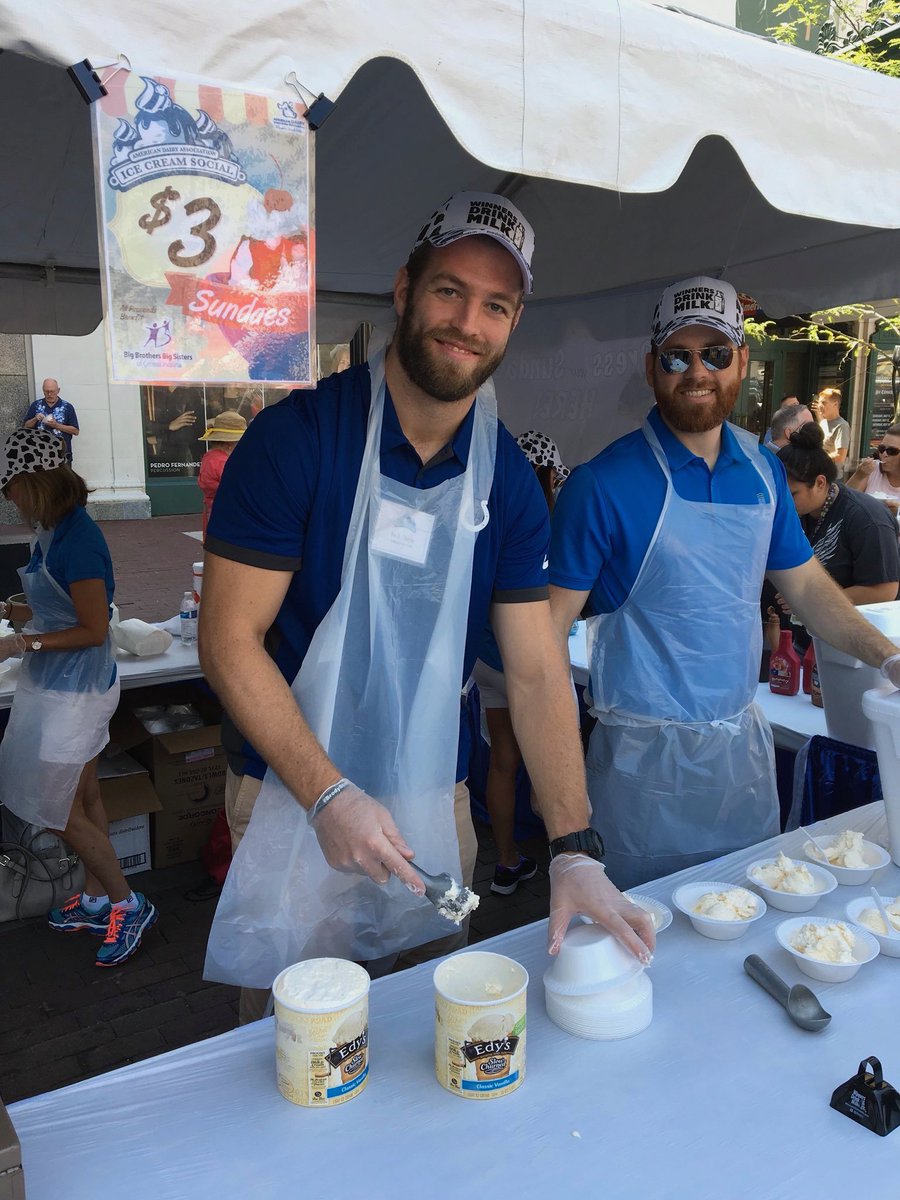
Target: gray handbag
38,871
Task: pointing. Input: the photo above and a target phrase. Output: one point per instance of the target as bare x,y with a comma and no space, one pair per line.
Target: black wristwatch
585,841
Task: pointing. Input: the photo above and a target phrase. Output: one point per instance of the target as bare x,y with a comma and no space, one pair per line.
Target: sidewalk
61,1018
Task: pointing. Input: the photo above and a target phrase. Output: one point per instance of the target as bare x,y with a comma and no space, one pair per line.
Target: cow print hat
30,450
542,451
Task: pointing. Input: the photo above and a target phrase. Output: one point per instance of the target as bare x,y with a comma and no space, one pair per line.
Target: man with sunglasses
665,537
880,475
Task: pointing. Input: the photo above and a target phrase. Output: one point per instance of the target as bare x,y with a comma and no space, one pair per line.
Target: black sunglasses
890,450
714,358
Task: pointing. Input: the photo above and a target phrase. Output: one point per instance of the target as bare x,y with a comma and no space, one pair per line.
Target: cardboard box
187,771
130,837
128,797
12,1178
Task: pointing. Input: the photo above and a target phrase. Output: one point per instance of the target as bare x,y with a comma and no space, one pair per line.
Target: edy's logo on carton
699,298
350,1057
505,1046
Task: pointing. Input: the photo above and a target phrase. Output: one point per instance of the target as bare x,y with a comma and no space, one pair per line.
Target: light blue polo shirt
606,514
285,501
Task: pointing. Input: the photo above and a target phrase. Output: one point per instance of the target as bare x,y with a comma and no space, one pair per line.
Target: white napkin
137,637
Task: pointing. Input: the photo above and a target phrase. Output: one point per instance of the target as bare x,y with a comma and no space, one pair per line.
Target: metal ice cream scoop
450,898
801,1005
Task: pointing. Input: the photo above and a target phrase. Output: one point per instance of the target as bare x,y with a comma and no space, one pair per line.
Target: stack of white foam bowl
596,988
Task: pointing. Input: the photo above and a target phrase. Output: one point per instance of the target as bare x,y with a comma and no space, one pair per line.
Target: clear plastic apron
61,710
681,764
380,689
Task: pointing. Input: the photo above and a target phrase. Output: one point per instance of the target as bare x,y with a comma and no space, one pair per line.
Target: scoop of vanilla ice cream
847,850
735,904
832,943
786,875
872,919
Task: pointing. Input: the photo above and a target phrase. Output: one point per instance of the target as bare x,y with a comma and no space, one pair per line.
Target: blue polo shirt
286,497
606,514
78,551
61,411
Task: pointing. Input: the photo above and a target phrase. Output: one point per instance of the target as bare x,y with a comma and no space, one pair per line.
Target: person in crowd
785,421
667,535
852,535
789,401
879,476
512,867
827,408
221,437
362,534
55,415
67,689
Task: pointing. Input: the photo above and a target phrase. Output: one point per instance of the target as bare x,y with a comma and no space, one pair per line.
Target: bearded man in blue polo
363,535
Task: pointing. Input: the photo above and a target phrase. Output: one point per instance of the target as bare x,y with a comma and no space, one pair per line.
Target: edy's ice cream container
321,1031
479,1030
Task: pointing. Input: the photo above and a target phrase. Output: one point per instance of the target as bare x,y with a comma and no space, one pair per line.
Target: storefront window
175,417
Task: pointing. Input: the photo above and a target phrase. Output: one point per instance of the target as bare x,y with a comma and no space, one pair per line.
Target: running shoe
507,879
73,916
126,928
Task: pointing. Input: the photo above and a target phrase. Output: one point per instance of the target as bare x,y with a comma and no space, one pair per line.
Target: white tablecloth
794,719
721,1097
178,662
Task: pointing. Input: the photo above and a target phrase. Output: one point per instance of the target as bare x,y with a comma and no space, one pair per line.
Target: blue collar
393,437
679,456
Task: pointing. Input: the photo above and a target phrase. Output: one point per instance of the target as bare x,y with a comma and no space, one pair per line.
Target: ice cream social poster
204,203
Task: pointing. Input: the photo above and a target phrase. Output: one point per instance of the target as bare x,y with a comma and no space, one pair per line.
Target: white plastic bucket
882,707
479,1031
845,679
321,1031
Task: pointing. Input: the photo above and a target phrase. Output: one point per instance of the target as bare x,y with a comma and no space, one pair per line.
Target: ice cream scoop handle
763,974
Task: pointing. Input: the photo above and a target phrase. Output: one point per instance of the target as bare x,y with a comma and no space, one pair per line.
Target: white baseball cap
468,213
698,301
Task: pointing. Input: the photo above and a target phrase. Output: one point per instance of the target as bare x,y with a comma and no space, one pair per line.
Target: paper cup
479,1032
321,1031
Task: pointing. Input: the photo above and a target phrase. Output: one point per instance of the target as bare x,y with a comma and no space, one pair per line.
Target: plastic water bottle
188,619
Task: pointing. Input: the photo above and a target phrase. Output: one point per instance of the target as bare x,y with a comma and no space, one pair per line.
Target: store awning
642,143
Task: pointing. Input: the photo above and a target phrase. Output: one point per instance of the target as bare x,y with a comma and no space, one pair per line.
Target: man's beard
445,381
689,416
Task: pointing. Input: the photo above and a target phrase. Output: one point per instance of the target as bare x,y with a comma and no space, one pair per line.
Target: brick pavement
63,1019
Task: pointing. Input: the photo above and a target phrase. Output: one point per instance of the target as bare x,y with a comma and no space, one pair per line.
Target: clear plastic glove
12,647
358,835
890,669
578,884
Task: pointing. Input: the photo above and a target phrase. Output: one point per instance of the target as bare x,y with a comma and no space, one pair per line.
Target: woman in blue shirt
67,689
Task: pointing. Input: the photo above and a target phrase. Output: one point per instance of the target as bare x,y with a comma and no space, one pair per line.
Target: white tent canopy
643,144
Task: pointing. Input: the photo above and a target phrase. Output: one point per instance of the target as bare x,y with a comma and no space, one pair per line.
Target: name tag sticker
402,532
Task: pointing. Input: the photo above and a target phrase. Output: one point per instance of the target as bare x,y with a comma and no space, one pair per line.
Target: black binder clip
868,1100
87,81
319,111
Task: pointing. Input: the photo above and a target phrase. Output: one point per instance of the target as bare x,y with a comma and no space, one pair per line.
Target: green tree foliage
866,35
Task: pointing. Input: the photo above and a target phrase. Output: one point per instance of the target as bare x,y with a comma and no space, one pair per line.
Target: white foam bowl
876,856
685,897
865,949
793,901
588,959
616,1011
889,945
661,913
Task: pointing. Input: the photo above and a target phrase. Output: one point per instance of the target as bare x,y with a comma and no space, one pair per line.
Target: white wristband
887,662
326,798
